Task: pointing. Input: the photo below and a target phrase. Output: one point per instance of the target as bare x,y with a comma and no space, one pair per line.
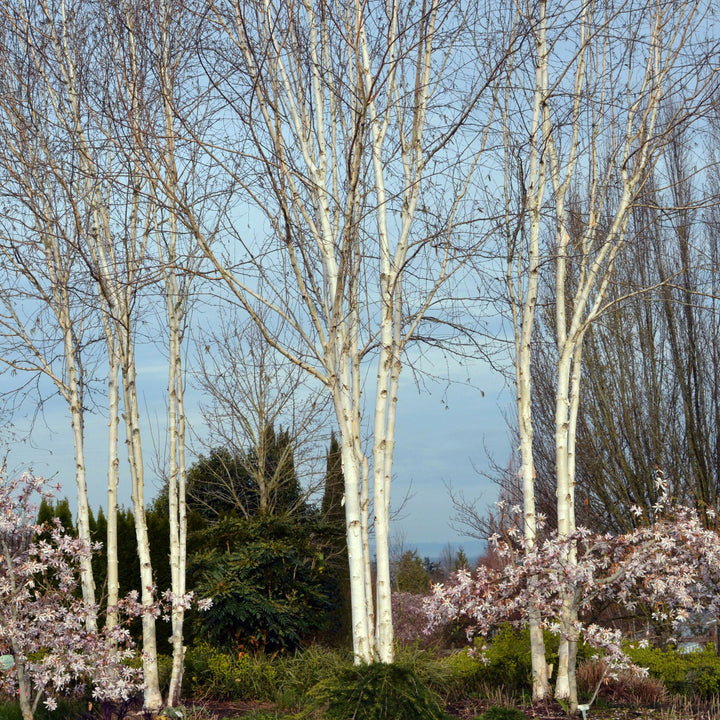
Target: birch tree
154,42
522,233
357,153
168,42
107,234
650,362
44,285
93,148
603,76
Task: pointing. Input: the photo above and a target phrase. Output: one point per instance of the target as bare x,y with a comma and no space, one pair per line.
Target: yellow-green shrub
686,673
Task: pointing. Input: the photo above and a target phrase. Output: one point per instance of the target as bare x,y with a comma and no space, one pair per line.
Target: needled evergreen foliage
220,465
49,511
332,503
332,512
378,692
128,562
411,575
268,580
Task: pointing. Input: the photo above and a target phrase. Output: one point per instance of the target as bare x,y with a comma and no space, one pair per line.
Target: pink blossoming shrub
410,620
671,565
43,622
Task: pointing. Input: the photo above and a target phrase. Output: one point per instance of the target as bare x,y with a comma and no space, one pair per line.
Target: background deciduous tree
264,425
651,364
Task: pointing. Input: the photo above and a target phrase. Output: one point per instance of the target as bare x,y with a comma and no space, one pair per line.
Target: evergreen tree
48,512
411,575
98,534
461,560
332,502
333,521
128,562
283,486
219,485
242,482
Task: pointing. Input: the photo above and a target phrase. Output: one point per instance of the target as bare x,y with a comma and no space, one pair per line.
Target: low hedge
682,673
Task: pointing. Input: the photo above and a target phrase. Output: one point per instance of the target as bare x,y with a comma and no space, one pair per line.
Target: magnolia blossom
671,565
42,619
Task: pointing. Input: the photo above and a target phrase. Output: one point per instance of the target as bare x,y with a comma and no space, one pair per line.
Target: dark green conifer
332,503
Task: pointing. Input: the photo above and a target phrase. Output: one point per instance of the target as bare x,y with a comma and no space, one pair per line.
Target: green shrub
508,662
268,583
165,671
210,673
502,713
213,673
693,673
377,692
305,669
463,675
65,708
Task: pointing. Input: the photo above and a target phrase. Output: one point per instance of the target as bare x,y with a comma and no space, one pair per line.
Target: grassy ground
678,709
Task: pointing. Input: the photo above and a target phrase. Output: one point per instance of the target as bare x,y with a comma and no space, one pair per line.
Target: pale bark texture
523,281
595,135
113,478
118,265
176,291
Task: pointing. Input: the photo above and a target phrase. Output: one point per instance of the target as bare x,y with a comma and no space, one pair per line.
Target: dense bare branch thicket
267,420
651,363
331,168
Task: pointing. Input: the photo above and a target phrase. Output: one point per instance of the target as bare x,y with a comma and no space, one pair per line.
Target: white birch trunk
152,696
113,478
177,472
83,508
175,299
59,263
351,465
124,290
176,513
566,525
383,441
524,306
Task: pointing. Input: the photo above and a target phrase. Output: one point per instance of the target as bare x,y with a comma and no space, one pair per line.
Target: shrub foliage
691,673
378,692
268,583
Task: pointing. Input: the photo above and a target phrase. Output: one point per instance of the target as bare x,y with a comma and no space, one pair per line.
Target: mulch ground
472,708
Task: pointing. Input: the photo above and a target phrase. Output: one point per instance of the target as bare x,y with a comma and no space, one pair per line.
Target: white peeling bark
87,583
113,480
151,678
354,524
